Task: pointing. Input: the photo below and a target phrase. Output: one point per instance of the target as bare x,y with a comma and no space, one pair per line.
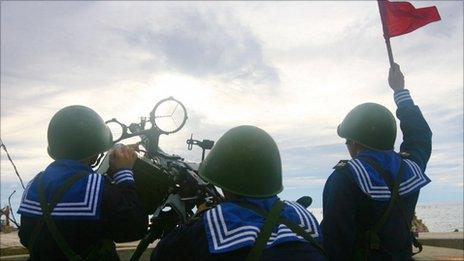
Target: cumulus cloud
204,44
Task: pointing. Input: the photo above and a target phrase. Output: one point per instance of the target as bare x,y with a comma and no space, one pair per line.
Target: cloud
204,43
303,182
294,69
189,39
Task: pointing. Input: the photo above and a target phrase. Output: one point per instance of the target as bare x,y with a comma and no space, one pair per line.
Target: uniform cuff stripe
402,97
124,180
122,176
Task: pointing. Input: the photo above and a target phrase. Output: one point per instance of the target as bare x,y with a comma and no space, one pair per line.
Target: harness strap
395,197
394,189
415,242
300,231
291,225
265,232
47,209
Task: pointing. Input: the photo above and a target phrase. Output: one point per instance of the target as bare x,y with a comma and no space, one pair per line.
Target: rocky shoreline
418,226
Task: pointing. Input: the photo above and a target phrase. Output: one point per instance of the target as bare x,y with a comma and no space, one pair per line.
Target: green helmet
244,161
77,132
371,125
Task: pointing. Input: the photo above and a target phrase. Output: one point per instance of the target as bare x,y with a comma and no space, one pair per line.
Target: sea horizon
438,216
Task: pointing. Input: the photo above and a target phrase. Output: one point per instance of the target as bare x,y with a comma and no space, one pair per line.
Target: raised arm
417,136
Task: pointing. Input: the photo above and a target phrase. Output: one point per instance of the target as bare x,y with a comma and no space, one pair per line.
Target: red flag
402,17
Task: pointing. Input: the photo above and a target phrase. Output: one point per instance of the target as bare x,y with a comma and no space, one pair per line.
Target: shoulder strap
265,232
392,185
292,226
47,209
395,197
400,202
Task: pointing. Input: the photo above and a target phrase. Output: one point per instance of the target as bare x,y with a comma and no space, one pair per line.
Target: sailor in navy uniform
240,227
369,201
69,211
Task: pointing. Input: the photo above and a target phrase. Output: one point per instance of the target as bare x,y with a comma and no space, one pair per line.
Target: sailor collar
81,201
229,227
373,185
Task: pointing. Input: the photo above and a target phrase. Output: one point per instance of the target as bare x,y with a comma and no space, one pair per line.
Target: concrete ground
448,240
11,248
440,253
429,253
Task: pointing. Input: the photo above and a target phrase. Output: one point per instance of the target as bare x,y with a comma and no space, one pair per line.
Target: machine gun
168,186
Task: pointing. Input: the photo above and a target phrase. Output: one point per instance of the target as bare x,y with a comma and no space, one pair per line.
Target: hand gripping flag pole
400,18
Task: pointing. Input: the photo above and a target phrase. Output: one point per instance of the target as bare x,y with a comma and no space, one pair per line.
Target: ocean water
438,217
441,217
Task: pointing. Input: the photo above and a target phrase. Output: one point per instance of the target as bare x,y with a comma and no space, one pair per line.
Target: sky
294,69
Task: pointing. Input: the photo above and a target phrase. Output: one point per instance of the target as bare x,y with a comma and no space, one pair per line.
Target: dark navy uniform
356,196
228,231
93,213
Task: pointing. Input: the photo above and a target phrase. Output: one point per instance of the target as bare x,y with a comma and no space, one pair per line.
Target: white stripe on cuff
402,96
401,93
125,179
123,175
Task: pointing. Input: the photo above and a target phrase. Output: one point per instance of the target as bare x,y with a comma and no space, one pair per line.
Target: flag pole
389,50
385,33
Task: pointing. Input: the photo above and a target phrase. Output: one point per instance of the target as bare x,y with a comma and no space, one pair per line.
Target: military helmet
244,161
77,132
371,125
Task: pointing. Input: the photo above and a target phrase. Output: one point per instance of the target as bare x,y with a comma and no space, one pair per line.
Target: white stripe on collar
416,180
223,238
87,207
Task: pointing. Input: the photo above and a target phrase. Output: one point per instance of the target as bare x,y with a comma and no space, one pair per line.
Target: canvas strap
395,198
272,219
47,209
